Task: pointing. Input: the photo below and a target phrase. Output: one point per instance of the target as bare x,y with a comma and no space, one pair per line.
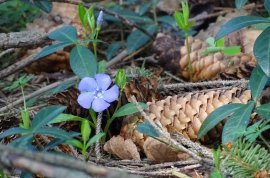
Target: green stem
24,102
155,14
84,153
264,141
190,69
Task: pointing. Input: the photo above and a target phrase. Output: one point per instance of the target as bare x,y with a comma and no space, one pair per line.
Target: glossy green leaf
52,48
129,109
239,23
257,82
137,39
232,50
261,51
217,116
267,5
45,115
85,130
94,139
144,8
220,42
83,62
147,129
65,117
12,131
237,121
81,11
128,14
167,20
240,3
75,143
264,111
45,5
64,34
112,49
54,132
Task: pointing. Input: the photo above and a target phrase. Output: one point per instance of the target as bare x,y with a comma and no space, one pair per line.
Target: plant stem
98,129
190,69
24,102
265,141
155,13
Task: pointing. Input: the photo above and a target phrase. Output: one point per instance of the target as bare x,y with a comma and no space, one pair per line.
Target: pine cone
185,114
215,65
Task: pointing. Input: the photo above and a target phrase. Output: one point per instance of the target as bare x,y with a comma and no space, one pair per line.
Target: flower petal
111,94
99,105
85,99
103,81
88,84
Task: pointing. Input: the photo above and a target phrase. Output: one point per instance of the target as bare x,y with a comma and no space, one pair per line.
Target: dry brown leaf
160,152
124,149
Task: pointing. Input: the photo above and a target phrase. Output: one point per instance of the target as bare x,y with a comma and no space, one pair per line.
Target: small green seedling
182,20
219,46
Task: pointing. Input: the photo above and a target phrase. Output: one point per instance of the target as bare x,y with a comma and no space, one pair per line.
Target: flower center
99,94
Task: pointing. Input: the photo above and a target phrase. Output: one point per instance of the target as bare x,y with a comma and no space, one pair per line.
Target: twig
51,165
23,39
204,84
17,66
6,52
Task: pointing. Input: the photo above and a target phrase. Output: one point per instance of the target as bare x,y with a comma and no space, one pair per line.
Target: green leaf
220,42
76,143
25,118
211,41
65,117
144,8
112,49
52,48
83,62
137,39
238,121
129,109
85,130
240,3
257,82
261,51
94,139
231,50
64,34
264,111
81,11
168,20
217,116
147,129
267,5
255,130
121,79
45,115
12,131
102,66
45,5
239,23
54,132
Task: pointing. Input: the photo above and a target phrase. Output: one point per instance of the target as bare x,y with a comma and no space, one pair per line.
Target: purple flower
100,18
95,93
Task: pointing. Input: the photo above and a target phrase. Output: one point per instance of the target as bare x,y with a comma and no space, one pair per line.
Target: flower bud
100,19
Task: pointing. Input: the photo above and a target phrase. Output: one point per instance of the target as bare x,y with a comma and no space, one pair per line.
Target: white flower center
100,94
